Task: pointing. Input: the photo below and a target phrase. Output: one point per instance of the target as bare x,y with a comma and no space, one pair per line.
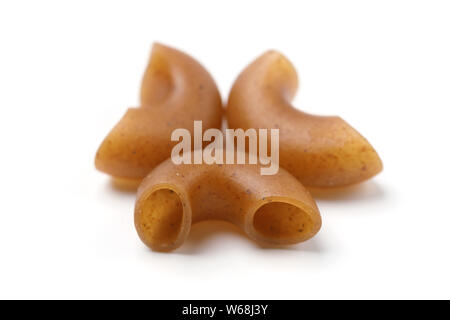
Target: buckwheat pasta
274,210
175,91
319,151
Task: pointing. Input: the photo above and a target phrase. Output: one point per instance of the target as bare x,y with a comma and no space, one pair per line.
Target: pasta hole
282,221
162,217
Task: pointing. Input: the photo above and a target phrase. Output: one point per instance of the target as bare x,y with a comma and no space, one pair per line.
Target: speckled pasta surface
274,210
319,151
175,91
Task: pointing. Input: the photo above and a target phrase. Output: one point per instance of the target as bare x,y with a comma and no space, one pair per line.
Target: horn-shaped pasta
176,90
274,209
319,151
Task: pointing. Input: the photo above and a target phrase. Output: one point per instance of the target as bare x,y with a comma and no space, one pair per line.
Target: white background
69,70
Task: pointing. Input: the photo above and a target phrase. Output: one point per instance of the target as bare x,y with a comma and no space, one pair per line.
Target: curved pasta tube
319,151
175,91
274,209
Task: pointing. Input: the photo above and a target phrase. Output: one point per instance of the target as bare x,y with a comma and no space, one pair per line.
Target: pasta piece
272,209
319,151
176,90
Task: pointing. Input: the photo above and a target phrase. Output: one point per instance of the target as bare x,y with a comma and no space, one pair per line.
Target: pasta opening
282,221
162,215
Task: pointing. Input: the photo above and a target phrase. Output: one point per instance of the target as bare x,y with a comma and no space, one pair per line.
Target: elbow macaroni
189,175
319,151
175,91
273,210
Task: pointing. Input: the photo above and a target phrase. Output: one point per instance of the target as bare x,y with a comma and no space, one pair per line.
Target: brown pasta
319,151
175,91
274,210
